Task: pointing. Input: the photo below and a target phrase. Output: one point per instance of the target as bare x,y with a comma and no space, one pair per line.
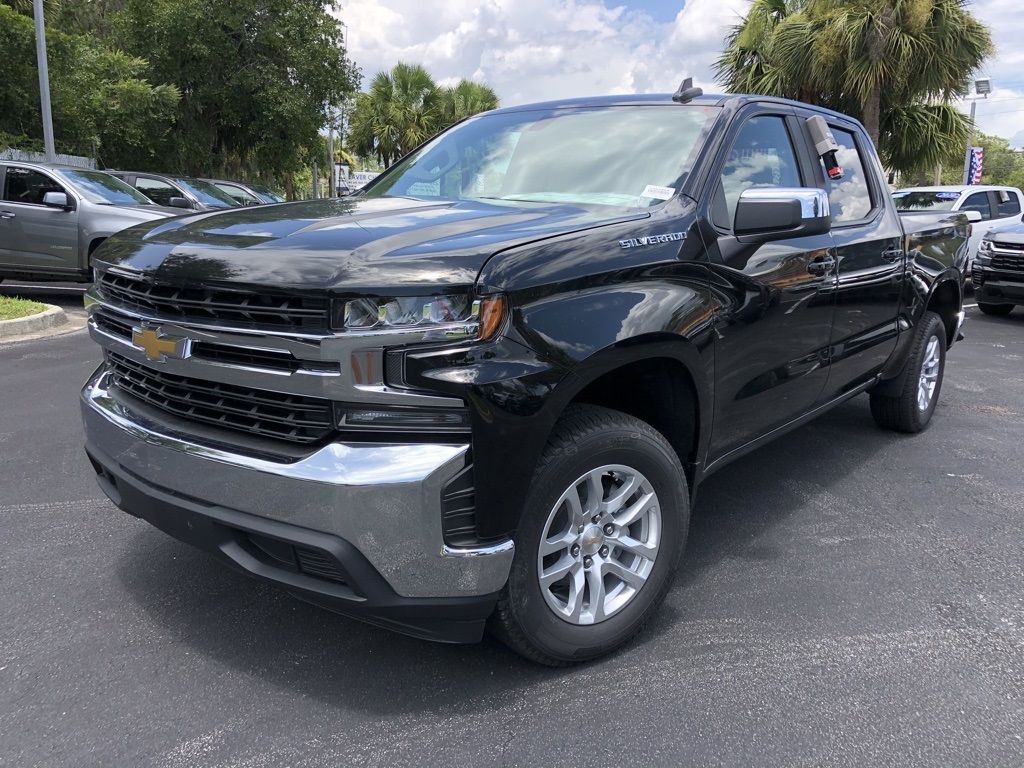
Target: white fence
39,157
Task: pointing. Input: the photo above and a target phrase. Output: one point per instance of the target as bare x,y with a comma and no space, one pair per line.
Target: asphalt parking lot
849,597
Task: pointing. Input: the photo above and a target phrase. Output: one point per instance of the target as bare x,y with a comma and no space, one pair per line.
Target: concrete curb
51,318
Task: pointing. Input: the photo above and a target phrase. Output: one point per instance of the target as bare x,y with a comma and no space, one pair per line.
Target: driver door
38,236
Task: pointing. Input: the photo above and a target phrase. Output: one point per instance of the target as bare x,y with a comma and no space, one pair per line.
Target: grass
11,307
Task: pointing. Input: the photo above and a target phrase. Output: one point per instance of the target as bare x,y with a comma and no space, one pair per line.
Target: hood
138,213
1010,235
366,245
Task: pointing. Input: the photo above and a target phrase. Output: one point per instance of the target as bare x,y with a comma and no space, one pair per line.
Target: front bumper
353,527
993,290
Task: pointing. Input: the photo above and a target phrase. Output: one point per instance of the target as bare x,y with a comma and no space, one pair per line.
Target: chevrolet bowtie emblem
159,346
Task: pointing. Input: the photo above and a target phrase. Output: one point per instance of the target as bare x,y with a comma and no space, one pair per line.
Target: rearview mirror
764,214
179,202
56,200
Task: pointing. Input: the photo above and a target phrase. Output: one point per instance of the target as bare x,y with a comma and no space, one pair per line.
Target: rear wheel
996,310
599,542
912,408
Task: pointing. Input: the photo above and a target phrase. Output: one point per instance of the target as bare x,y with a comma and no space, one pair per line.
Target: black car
178,191
485,389
998,271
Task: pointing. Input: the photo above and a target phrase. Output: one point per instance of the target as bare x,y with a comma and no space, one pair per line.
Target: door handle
892,255
821,266
7,214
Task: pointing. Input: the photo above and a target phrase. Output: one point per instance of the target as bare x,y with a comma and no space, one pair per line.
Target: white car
998,207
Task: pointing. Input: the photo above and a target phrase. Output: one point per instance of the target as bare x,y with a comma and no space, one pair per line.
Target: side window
237,194
1010,206
25,185
761,156
158,191
850,197
978,202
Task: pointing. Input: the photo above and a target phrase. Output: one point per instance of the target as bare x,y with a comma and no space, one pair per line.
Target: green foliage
405,107
98,96
256,77
895,64
1002,166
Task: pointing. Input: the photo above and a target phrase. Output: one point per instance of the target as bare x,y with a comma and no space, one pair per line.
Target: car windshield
268,195
103,189
206,193
925,201
622,156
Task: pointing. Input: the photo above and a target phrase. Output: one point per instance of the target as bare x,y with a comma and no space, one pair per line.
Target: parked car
997,207
998,271
53,217
487,387
245,193
178,191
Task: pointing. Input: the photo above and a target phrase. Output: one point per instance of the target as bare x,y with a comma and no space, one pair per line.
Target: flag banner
976,166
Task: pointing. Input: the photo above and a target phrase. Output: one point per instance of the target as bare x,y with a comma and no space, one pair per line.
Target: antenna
687,92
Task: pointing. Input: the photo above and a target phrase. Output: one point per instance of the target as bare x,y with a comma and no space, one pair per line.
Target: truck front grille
295,418
1011,262
198,304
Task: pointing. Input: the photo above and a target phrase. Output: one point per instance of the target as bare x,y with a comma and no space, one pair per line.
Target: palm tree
401,111
404,108
465,99
895,64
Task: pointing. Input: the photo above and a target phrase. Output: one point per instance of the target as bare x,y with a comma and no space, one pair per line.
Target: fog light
402,418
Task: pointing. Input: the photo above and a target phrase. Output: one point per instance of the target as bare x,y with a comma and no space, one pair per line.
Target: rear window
925,201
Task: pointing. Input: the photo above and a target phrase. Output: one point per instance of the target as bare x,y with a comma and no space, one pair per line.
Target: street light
982,88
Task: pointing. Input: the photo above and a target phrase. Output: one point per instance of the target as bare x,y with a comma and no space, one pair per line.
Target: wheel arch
946,300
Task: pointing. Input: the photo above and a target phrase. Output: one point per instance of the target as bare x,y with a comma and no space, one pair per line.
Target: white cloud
537,50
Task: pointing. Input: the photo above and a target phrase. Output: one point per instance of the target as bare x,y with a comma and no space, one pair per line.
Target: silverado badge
159,346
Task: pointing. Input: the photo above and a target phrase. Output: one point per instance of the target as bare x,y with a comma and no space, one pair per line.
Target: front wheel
912,408
599,542
996,310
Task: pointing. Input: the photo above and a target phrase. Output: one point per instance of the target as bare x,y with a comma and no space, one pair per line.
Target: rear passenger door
868,238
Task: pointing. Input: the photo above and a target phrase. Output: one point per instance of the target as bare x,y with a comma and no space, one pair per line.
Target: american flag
976,166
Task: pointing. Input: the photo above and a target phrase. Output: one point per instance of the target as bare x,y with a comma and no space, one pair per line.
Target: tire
912,409
606,592
996,310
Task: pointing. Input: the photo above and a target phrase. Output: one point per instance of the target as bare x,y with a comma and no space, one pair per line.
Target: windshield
268,195
631,157
103,189
206,193
925,201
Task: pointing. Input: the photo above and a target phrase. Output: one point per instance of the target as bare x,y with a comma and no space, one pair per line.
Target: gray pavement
849,597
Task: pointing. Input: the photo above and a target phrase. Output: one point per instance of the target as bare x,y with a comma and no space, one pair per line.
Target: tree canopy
405,107
197,86
897,65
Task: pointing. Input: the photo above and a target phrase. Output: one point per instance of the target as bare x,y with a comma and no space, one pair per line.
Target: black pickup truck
485,389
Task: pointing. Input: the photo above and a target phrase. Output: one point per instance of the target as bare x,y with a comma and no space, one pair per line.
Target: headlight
985,247
451,316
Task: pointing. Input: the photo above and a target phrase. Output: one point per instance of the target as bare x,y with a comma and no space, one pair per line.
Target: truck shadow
265,633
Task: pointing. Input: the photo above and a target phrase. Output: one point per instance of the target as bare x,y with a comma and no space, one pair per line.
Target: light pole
44,80
982,88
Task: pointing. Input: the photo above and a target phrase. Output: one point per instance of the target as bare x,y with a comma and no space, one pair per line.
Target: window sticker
658,193
947,195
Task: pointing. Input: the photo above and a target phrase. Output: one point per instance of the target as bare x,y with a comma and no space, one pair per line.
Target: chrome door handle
7,214
892,254
820,266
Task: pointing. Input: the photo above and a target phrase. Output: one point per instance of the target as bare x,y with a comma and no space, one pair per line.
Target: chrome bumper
384,499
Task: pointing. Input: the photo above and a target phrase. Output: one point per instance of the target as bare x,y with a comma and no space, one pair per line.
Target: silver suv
52,218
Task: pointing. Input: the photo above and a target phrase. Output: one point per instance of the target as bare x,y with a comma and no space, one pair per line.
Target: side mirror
179,202
764,214
252,202
972,216
56,200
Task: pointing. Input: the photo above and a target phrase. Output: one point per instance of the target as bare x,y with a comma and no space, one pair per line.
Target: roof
51,166
957,188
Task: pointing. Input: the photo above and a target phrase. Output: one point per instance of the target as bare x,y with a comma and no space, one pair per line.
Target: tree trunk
288,182
872,109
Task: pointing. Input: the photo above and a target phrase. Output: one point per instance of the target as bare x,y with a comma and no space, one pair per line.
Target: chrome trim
813,202
334,464
344,385
384,499
491,549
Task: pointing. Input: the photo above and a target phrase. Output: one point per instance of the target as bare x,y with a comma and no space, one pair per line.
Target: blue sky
535,50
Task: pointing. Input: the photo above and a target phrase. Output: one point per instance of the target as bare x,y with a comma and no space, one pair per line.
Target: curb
52,317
